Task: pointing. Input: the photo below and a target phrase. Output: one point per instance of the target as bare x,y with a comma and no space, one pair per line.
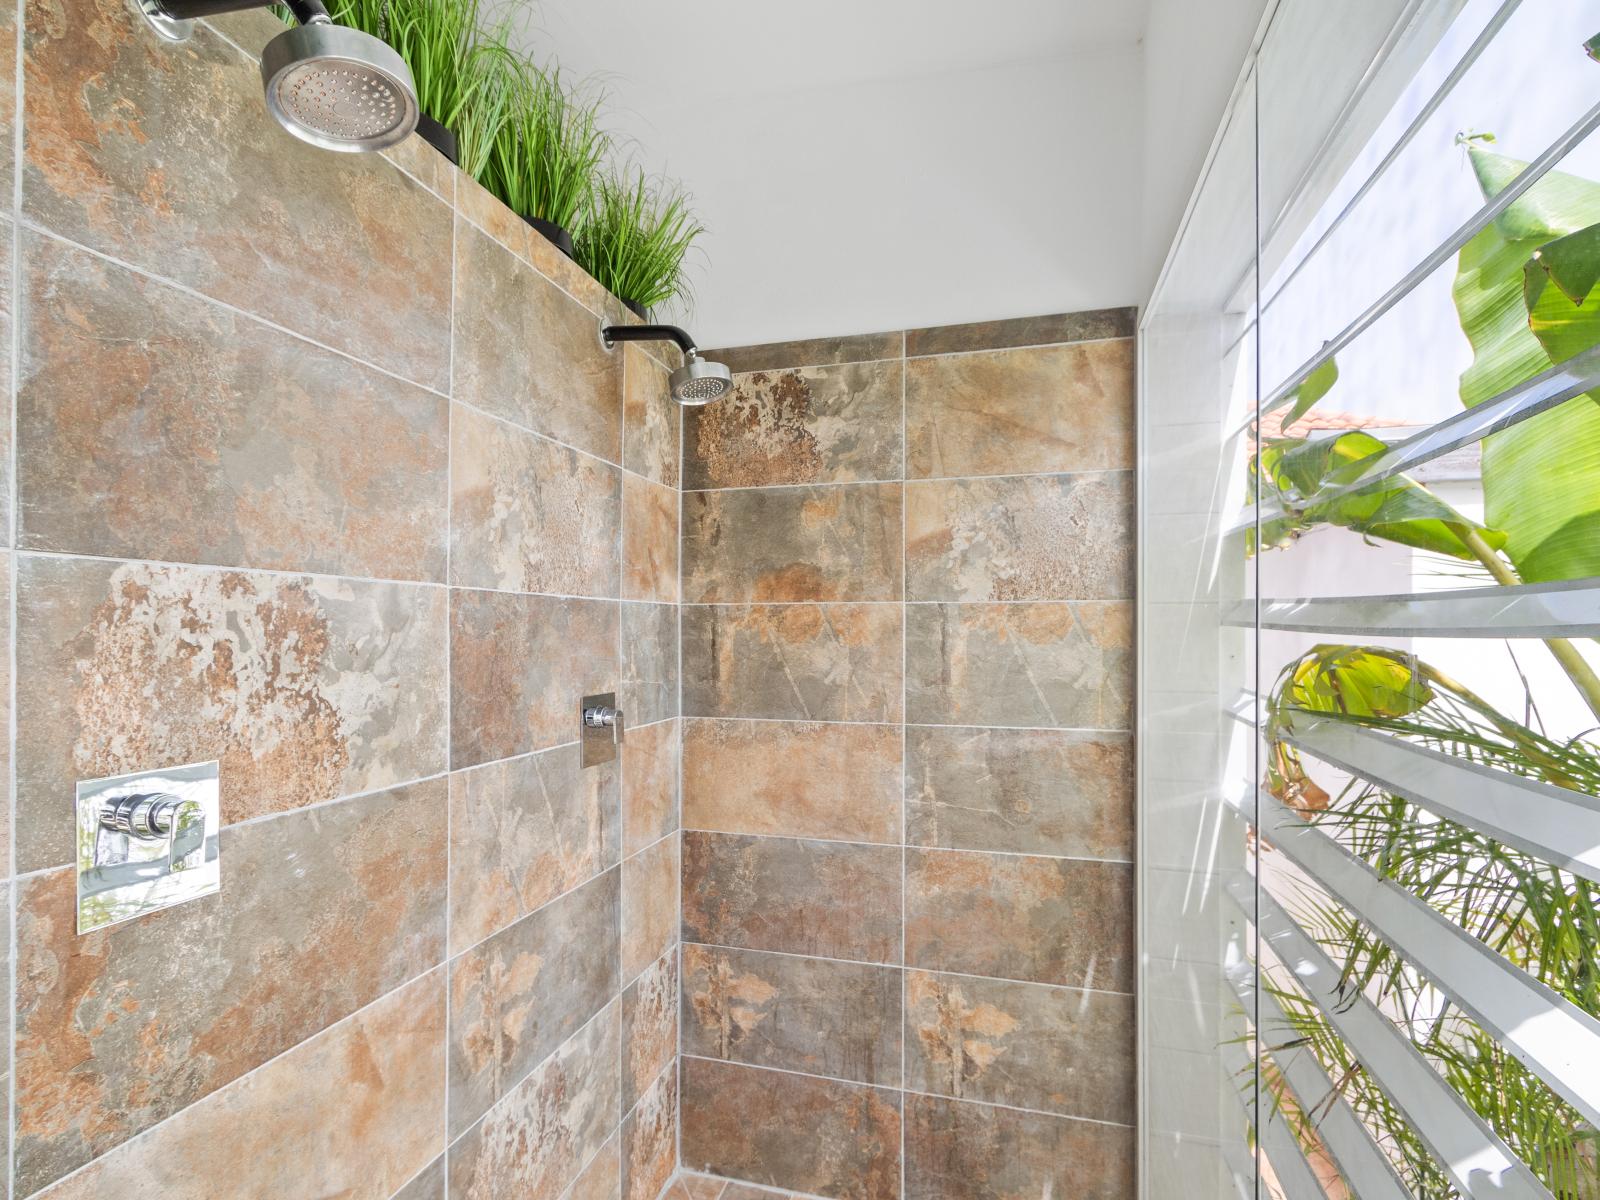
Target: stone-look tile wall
320,470
907,769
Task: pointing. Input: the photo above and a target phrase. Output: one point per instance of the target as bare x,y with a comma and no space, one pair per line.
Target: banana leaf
1313,388
1356,681
1541,478
1397,509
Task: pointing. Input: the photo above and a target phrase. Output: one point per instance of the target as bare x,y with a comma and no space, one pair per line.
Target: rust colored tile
791,1131
648,688
528,515
793,779
354,1112
489,213
602,1178
787,544
1012,412
152,424
649,1026
649,905
7,566
519,995
983,1153
418,159
650,1140
1053,1049
1092,325
743,1191
518,667
812,1015
430,1185
649,784
524,831
817,662
830,899
1046,920
168,160
8,103
814,352
1049,665
651,419
816,425
121,1028
649,541
1029,537
304,688
538,1138
528,352
1028,791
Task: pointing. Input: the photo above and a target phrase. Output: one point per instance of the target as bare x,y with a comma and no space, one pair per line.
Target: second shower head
329,85
698,382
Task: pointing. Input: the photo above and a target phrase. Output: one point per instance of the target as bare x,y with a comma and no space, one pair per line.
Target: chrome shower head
334,87
699,381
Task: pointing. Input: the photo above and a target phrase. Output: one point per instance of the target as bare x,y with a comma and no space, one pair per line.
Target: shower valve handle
603,716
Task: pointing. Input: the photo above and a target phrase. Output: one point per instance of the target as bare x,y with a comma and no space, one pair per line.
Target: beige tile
813,425
152,424
650,1140
305,688
792,778
793,543
354,1112
812,1015
811,1135
827,662
649,1026
649,905
1093,325
649,784
528,515
813,352
1049,665
1027,791
830,899
522,832
1029,537
1009,412
1051,1049
168,160
649,541
984,1153
1045,920
651,418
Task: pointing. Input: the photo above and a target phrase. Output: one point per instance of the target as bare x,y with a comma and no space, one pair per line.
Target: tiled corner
649,905
649,1026
650,1139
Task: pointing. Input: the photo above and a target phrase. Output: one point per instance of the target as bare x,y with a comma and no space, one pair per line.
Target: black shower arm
649,333
305,11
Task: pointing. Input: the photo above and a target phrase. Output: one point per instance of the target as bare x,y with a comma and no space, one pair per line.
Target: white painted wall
913,162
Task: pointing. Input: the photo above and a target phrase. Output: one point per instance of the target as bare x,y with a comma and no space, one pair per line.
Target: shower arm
650,333
306,12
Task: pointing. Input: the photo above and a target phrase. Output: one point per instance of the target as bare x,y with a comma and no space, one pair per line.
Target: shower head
331,86
699,381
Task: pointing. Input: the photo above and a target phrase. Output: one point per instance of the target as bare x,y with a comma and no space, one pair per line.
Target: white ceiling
882,164
742,47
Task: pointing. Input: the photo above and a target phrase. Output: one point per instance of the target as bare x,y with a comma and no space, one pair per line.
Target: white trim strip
1535,610
1547,1033
1364,1167
1479,1164
1558,825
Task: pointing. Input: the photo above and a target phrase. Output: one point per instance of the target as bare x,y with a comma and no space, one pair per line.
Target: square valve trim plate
146,841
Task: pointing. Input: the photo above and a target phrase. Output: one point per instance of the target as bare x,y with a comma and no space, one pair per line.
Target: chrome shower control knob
602,717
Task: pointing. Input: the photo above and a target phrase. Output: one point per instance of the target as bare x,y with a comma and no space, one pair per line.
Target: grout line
905,707
916,724
13,890
908,481
856,1083
953,603
908,967
449,689
908,846
677,799
903,356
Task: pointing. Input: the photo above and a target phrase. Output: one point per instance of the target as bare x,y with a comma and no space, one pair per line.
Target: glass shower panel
1370,874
